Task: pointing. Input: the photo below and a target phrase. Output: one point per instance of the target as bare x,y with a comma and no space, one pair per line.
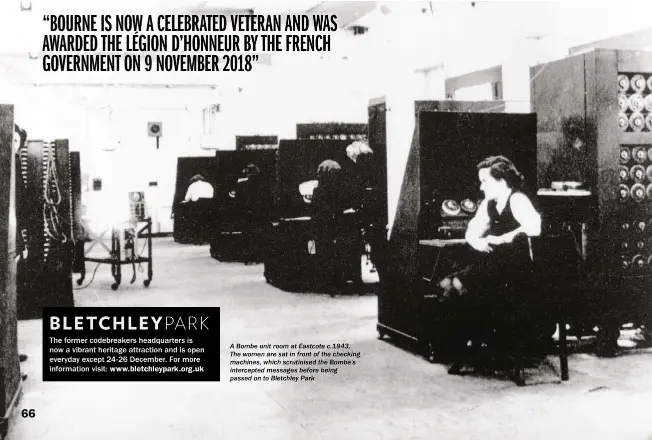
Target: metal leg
116,266
149,254
563,352
82,272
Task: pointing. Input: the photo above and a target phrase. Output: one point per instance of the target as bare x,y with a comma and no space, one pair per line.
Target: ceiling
460,35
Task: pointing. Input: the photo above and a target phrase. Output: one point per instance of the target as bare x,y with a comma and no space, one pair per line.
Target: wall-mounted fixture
155,129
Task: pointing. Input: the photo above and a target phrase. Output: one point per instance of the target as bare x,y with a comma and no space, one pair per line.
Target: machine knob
648,118
638,261
624,173
638,83
451,208
636,121
625,155
637,173
641,226
640,154
640,245
625,226
638,192
623,83
624,193
623,102
625,264
469,206
624,245
636,103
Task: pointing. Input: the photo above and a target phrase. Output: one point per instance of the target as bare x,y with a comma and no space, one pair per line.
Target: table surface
563,193
436,242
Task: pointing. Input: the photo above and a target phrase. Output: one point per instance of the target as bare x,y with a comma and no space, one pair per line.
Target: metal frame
115,252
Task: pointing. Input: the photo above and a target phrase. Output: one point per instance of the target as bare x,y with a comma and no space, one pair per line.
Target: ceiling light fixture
25,6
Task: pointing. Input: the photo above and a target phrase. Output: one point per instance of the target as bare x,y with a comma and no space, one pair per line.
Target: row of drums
638,154
261,147
637,173
638,261
635,103
636,83
637,192
636,227
342,137
635,122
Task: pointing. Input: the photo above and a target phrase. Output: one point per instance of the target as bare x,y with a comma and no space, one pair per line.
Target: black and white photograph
337,220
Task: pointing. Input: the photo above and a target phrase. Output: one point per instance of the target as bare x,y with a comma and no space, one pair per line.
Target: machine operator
499,233
198,189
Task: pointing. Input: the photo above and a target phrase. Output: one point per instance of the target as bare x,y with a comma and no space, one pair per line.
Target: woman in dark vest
497,284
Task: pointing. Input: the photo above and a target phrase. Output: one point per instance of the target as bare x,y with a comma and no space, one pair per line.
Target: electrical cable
92,278
140,254
51,217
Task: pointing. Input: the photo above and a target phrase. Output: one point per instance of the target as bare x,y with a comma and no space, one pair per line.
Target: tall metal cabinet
10,383
610,92
433,146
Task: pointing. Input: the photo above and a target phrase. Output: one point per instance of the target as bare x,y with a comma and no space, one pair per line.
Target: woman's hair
22,134
502,168
573,128
328,171
251,170
358,148
196,178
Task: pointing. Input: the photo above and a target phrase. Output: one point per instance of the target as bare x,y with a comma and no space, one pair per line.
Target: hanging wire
52,198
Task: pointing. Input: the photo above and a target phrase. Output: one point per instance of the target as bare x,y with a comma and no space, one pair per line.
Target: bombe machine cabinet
433,148
611,92
244,207
10,383
48,226
193,223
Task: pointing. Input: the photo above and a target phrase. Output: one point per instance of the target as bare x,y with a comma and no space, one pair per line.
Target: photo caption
289,362
131,344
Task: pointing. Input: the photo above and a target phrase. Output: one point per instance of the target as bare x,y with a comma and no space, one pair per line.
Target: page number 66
28,413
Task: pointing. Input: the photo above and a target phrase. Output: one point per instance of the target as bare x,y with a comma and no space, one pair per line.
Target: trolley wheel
80,281
146,283
519,377
381,335
115,286
606,344
430,353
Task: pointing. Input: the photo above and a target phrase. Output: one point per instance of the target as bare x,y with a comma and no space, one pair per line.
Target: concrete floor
391,394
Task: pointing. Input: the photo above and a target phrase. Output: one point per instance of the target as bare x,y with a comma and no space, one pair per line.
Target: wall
478,78
108,125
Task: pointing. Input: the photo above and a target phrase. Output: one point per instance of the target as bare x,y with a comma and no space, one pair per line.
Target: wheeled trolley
131,235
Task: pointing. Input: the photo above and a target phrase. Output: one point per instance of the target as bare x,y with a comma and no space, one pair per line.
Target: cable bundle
52,198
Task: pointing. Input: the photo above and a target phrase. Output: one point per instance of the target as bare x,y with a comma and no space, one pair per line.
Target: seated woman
194,215
499,233
335,224
199,189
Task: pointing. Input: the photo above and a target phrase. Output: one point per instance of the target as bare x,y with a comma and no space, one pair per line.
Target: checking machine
246,201
48,224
